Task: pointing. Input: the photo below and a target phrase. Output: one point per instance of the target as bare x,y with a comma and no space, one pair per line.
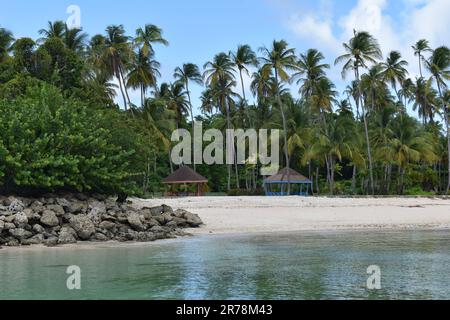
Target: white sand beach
228,215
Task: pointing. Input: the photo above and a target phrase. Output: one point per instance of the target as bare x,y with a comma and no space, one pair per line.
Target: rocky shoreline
57,220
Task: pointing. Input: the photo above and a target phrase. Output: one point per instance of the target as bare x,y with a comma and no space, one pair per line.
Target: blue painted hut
278,184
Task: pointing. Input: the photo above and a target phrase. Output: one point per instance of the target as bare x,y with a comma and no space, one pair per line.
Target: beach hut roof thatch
185,175
288,175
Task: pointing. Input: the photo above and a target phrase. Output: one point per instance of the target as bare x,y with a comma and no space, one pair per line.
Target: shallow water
414,265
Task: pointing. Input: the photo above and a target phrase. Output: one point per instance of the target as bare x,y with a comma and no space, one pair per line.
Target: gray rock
83,226
50,241
9,226
156,211
38,228
96,208
66,236
34,240
16,205
135,221
193,220
20,219
10,219
20,233
107,225
49,218
101,237
37,207
57,209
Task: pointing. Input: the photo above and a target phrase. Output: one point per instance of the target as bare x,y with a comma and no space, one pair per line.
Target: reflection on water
414,265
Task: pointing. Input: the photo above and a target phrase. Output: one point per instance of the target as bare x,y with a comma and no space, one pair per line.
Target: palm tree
189,72
394,70
147,36
74,39
280,59
408,144
363,48
420,47
219,76
54,30
143,74
263,85
439,66
311,69
174,95
114,52
424,97
6,40
242,58
372,83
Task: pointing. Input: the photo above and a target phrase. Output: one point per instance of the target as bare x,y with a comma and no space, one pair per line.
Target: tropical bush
50,143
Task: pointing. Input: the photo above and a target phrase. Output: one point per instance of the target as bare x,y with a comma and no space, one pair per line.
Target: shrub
48,143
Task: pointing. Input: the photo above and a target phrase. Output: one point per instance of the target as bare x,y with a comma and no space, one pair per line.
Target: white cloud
319,31
394,30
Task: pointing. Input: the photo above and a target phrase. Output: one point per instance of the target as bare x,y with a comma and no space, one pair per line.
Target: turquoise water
414,265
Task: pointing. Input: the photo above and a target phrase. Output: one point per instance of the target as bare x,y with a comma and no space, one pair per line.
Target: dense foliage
61,127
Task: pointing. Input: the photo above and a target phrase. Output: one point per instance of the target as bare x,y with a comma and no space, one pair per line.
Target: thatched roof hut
186,176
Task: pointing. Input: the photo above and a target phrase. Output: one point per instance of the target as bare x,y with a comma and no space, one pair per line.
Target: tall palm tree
408,144
115,52
219,76
242,58
6,40
175,96
189,72
419,48
147,36
439,66
263,85
362,49
280,59
372,83
74,38
54,30
424,98
143,73
311,69
394,70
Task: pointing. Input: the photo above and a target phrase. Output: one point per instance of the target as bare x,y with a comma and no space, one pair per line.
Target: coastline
240,216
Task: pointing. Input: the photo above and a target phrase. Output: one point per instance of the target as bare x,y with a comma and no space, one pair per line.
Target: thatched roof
185,175
284,176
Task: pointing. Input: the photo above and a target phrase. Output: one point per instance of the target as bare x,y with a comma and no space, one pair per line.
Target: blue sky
198,29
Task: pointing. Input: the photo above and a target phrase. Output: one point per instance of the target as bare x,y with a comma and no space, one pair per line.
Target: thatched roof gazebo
185,177
277,185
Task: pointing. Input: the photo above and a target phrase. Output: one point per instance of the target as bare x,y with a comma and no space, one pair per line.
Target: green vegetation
62,129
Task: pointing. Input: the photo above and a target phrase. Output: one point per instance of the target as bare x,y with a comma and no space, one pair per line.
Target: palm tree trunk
124,85
420,65
366,129
123,94
192,115
447,124
286,151
229,128
354,178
